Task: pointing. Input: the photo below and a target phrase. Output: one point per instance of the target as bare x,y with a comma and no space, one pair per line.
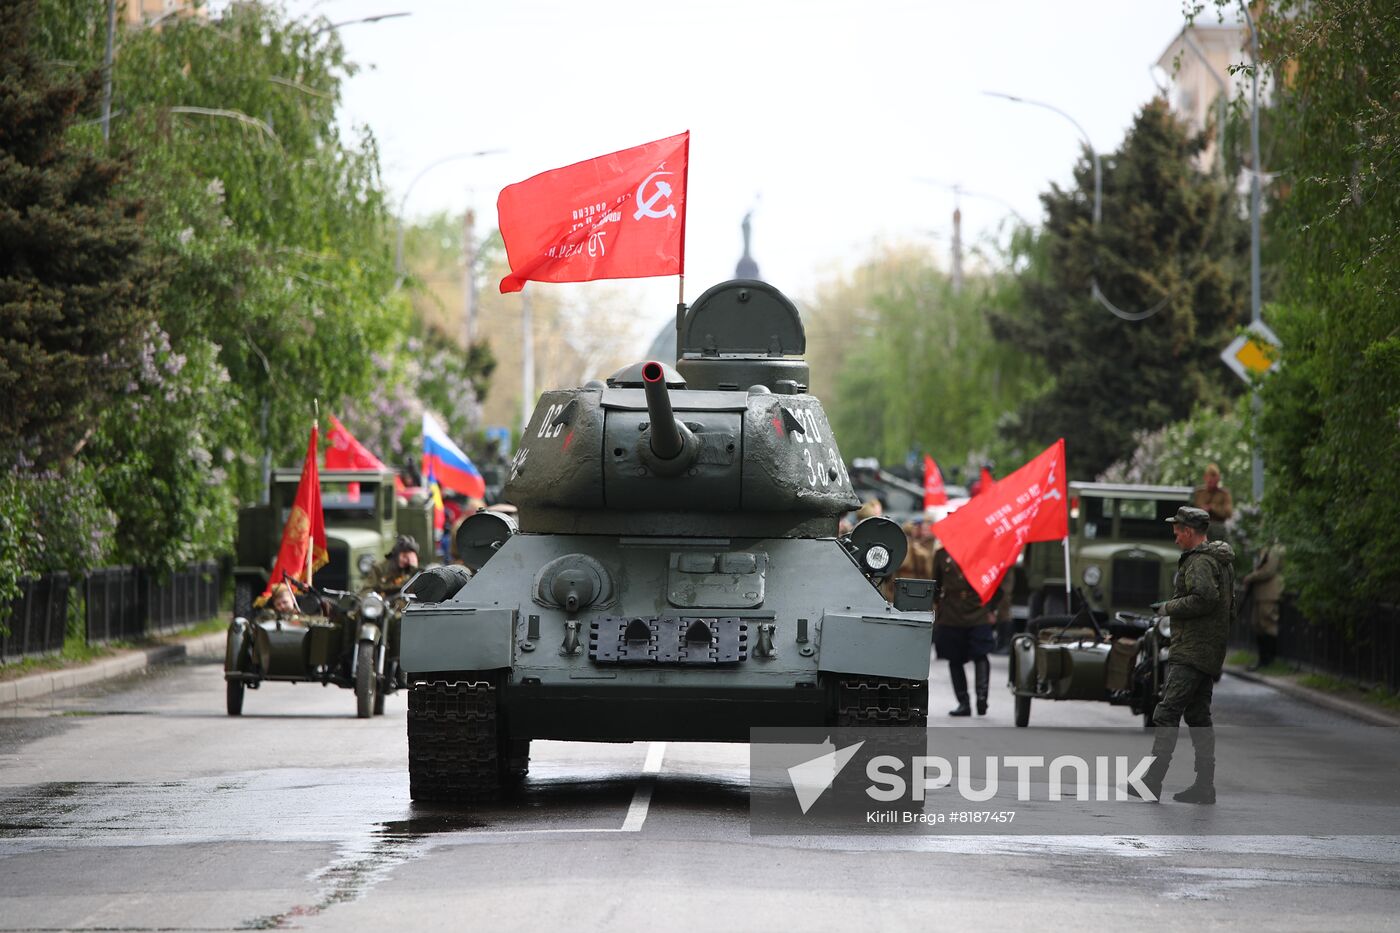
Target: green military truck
363,516
1121,550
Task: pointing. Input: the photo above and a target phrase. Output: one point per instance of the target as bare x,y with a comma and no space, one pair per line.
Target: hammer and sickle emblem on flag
663,190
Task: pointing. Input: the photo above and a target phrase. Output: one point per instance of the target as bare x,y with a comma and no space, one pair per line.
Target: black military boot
1152,780
959,679
1203,791
982,677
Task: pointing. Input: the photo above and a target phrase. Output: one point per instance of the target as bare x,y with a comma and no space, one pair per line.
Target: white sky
826,112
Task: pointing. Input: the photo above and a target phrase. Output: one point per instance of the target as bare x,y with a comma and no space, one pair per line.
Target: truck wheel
235,698
453,749
366,680
243,599
1023,711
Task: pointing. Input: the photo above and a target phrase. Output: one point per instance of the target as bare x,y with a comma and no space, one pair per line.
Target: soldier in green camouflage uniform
398,566
1200,610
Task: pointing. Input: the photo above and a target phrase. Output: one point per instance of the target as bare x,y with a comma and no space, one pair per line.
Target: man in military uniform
1215,500
964,629
1200,611
398,566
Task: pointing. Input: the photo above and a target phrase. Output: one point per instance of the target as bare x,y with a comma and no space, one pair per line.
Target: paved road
140,806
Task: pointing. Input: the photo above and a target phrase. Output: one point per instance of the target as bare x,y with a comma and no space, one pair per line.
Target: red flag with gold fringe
303,548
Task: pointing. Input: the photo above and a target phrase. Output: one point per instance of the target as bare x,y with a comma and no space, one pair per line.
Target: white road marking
641,800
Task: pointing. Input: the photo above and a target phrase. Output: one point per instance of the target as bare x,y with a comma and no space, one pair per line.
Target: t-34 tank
676,573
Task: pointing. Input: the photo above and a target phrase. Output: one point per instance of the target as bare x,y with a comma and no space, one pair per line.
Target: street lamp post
403,202
1257,460
1094,291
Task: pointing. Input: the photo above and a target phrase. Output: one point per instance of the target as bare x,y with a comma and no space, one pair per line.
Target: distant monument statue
747,268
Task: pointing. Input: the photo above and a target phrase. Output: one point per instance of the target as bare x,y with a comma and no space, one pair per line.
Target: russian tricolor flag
445,461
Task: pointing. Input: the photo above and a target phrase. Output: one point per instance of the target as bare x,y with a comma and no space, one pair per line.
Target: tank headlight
365,563
1092,575
373,607
878,557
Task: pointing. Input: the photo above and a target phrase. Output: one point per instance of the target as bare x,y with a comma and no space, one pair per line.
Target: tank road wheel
453,748
235,697
1023,711
515,760
366,681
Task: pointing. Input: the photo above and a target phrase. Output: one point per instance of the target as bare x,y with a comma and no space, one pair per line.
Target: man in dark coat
964,629
1200,610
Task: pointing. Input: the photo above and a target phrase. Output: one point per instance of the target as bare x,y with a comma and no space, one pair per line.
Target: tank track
881,701
453,749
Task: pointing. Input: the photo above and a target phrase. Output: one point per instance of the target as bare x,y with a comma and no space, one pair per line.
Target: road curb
46,683
1320,698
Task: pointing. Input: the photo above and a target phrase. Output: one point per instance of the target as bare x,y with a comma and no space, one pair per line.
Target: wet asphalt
138,805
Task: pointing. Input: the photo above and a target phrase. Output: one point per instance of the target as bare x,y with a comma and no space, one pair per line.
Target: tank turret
728,442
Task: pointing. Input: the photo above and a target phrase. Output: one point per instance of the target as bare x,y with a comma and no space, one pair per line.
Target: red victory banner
347,453
304,536
934,493
618,216
986,535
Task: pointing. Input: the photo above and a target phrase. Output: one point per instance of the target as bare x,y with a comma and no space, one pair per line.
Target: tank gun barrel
667,438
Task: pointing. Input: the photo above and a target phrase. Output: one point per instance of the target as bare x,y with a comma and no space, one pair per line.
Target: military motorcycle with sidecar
353,645
1087,656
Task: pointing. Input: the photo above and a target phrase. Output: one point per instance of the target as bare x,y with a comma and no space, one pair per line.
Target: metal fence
125,603
190,595
1367,652
37,620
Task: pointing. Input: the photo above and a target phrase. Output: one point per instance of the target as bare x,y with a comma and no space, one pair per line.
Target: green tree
901,362
1168,232
271,237
75,283
1331,421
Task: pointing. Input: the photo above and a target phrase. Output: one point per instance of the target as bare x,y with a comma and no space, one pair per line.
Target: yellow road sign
1252,353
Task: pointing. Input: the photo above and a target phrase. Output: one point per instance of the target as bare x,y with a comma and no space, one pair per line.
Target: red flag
986,534
346,453
934,493
618,216
304,536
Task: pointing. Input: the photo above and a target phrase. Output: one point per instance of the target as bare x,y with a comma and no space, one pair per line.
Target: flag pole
680,314
311,539
1068,604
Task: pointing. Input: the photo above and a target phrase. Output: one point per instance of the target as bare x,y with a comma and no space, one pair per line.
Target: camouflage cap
1198,519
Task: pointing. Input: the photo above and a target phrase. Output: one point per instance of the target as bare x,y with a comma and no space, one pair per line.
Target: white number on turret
547,426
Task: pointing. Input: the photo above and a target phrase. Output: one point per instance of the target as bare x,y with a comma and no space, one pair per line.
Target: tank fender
892,644
455,638
235,650
1023,664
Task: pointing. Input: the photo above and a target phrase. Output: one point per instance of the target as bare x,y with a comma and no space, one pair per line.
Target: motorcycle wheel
1023,711
366,681
379,701
235,698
